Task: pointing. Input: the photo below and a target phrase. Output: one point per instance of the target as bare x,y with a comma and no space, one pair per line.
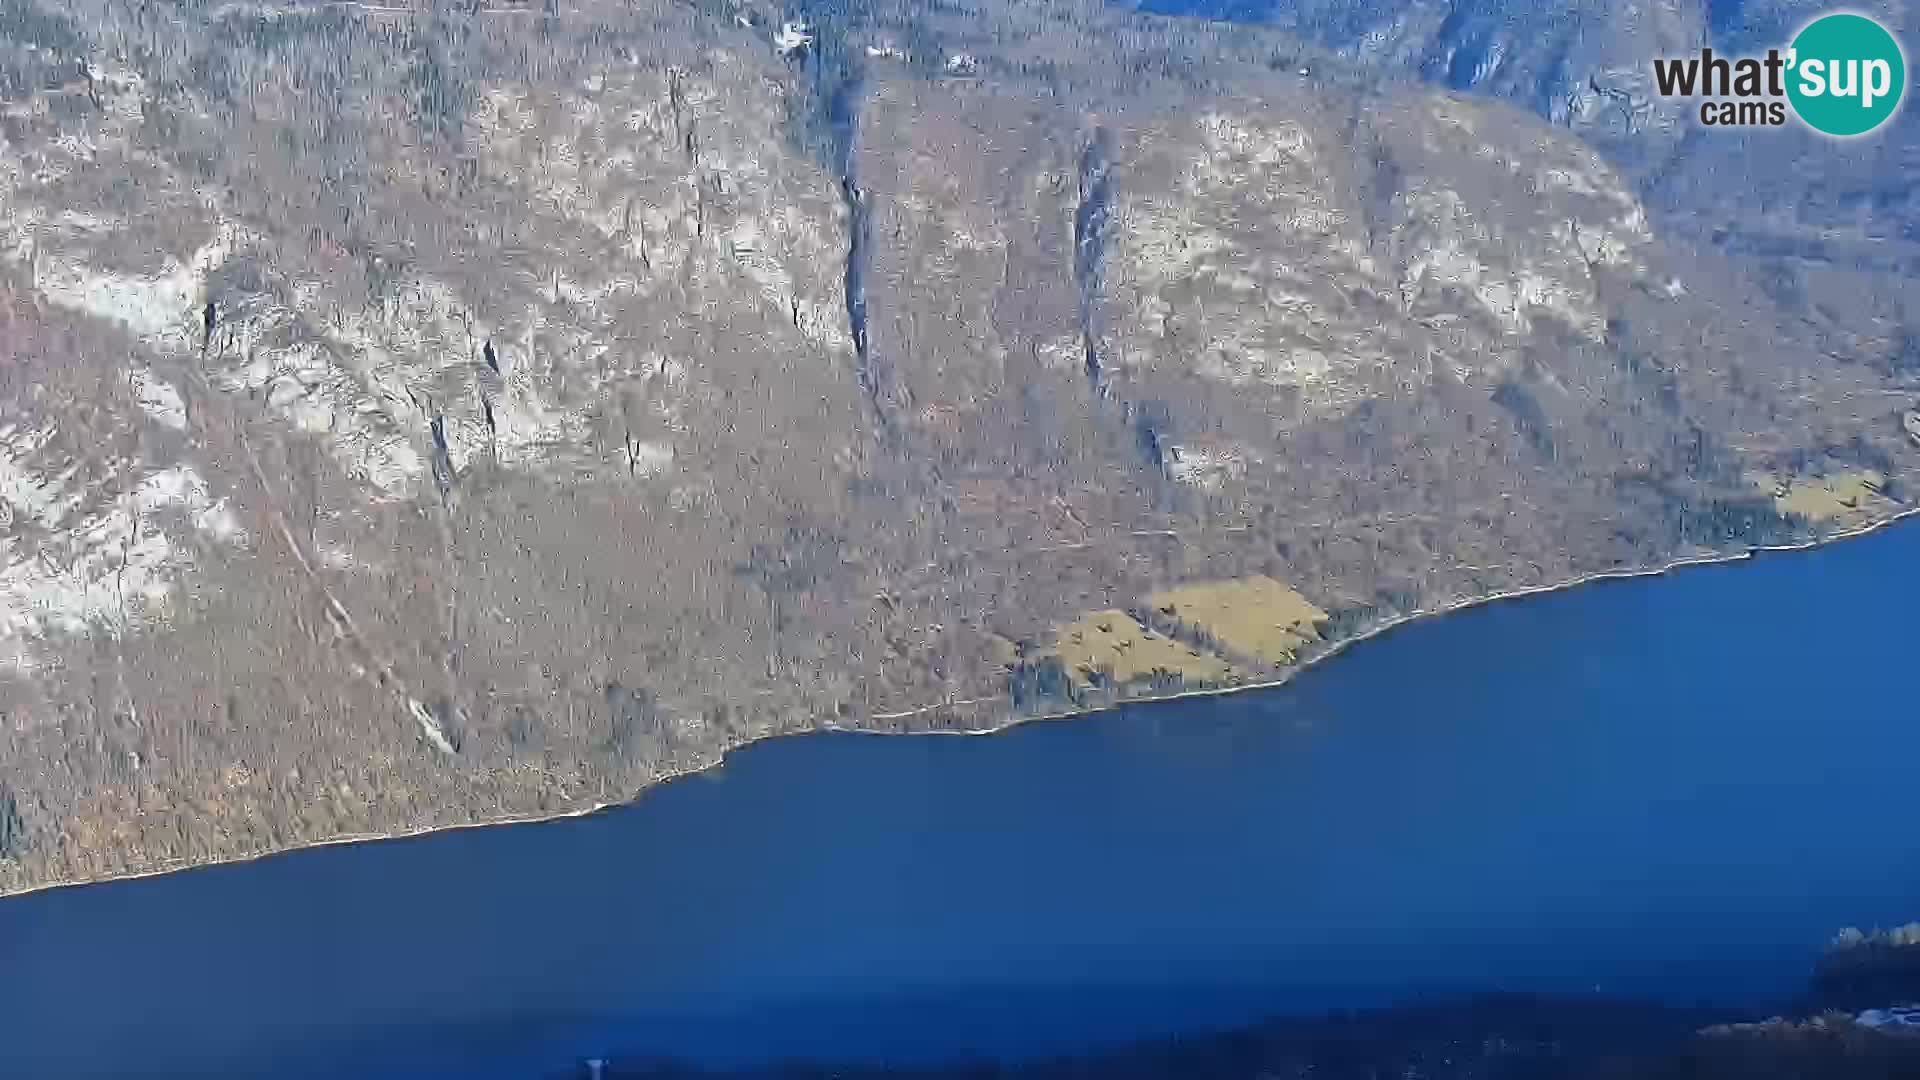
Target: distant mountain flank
418,414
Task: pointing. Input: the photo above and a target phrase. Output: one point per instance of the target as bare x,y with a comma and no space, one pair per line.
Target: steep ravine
1089,243
843,112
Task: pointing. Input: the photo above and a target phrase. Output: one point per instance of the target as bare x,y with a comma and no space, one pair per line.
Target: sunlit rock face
93,554
1315,266
662,195
96,542
409,419
298,448
1297,259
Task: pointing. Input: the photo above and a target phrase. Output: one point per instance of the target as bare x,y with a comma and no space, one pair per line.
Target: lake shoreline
1398,622
1010,722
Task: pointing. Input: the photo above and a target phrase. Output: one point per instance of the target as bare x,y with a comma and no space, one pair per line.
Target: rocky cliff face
414,416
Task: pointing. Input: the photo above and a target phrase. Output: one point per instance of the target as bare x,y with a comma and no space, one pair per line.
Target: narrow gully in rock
1089,244
856,269
843,112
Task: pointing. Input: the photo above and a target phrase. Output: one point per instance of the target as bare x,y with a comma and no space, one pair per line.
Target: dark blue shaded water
1678,787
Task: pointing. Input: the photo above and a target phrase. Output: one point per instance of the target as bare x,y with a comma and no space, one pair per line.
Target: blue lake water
1677,786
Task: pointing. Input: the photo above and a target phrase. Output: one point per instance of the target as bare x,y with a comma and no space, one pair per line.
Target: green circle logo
1846,74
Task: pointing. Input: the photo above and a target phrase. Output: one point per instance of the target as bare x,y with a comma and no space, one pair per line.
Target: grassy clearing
1827,498
1256,617
1113,645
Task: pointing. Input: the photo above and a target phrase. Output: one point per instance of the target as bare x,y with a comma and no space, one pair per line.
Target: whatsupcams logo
1843,75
